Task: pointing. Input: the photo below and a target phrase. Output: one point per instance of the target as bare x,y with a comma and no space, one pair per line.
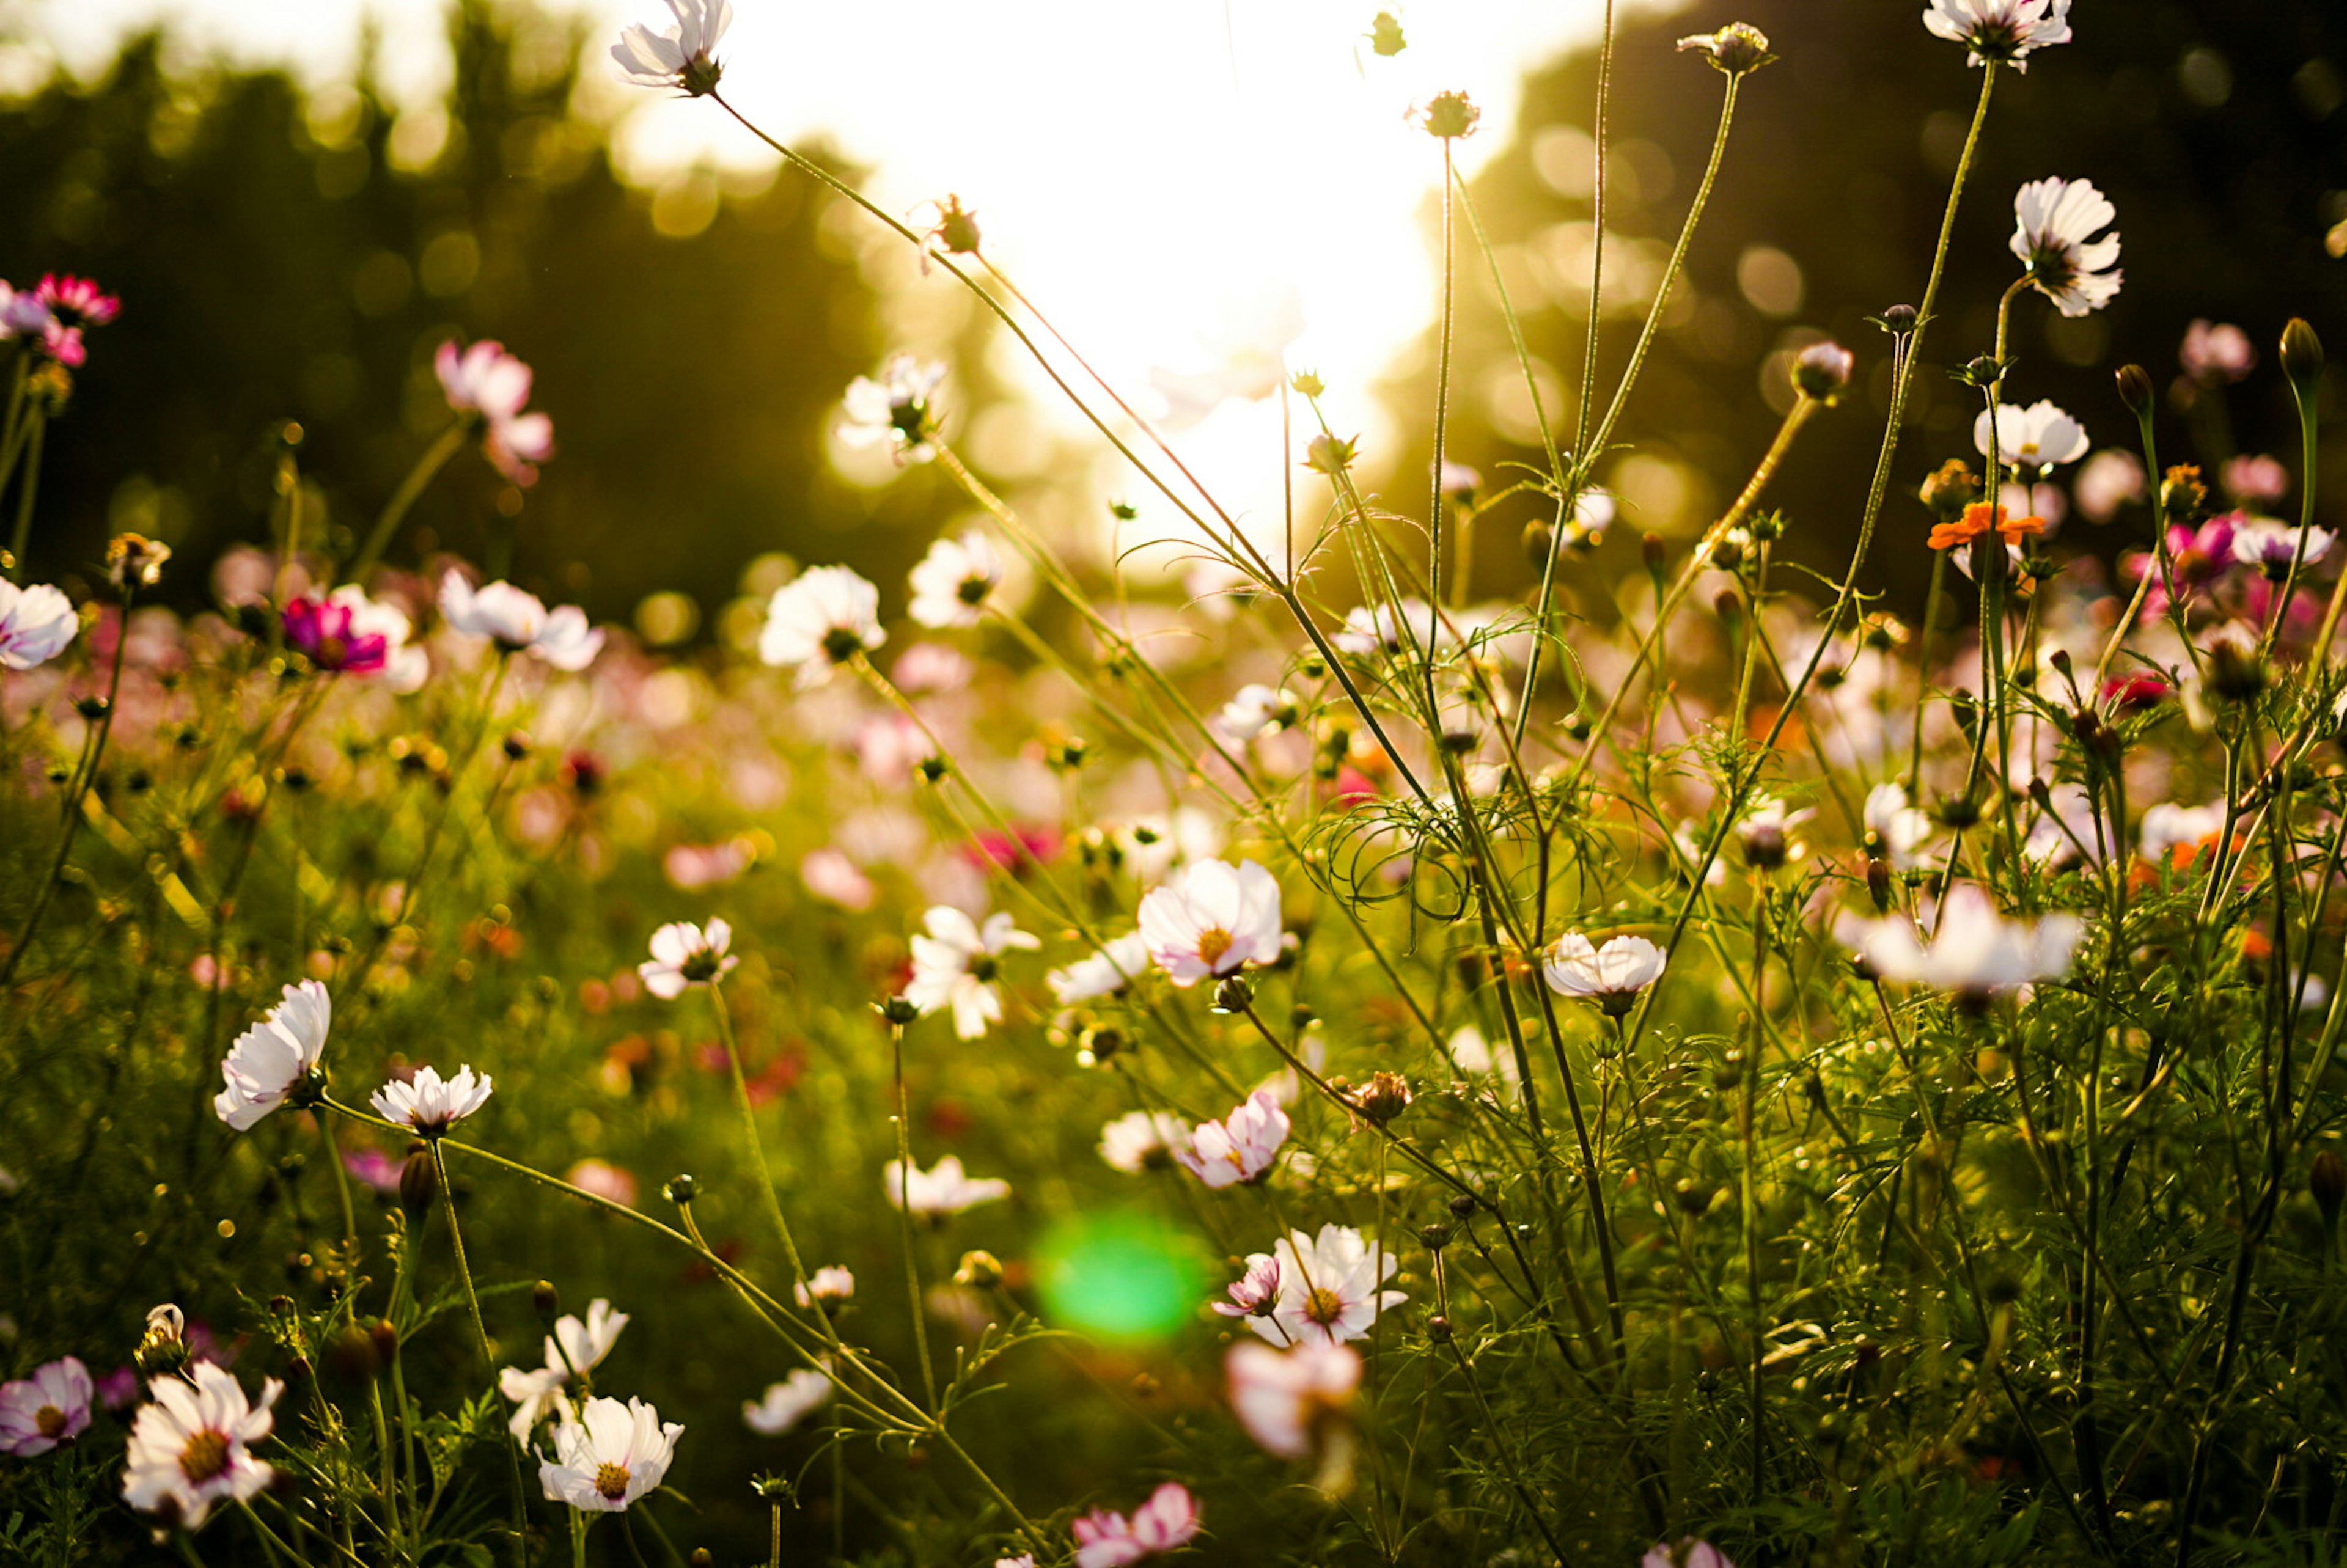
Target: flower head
1284,1398
1121,961
1690,1553
1239,1148
192,1448
1973,949
1256,1293
679,57
895,408
134,560
485,383
2054,220
519,622
1212,919
2215,353
2004,31
956,965
275,1056
1736,49
1330,1287
36,624
940,1192
2036,437
1257,710
1168,1519
2272,546
608,1456
1982,517
1897,829
830,1286
1611,976
575,1347
951,585
1823,370
820,619
429,1103
1142,1141
327,634
685,954
786,1404
49,1408
76,301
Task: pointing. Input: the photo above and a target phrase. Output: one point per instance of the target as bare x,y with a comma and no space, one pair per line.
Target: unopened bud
1899,320
1822,371
351,1356
516,744
419,1182
2326,1178
2302,353
1736,49
956,228
545,1299
979,1270
680,1190
2135,389
1951,488
1650,551
1434,1238
1234,994
896,1011
1540,543
1878,883
1465,1203
386,1342
1438,1329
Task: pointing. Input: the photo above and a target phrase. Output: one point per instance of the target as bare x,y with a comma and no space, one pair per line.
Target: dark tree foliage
273,267
2219,131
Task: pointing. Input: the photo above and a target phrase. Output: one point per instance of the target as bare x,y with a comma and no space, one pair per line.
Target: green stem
379,538
903,1195
480,1331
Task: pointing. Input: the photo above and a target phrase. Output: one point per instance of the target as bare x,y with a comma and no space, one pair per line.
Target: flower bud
516,746
1737,48
2302,353
2135,389
1329,455
1985,371
1650,551
134,560
1384,1097
1878,883
419,1182
164,1346
1823,370
1692,1197
1434,1238
1540,544
386,1342
1234,994
979,1270
956,230
2326,1178
1465,1203
2236,672
896,1011
1899,320
1450,116
1952,488
1304,383
1438,1329
2183,498
545,1299
680,1190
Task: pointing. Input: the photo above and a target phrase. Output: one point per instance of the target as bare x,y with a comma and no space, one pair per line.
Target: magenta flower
327,634
487,381
76,301
1239,1148
1168,1519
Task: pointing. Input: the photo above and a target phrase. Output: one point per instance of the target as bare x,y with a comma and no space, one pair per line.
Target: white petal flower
36,624
1611,976
609,1456
786,1404
429,1103
830,1285
894,409
1212,919
679,57
519,622
274,1057
1121,961
1257,710
2054,223
2036,437
955,964
685,954
1142,1141
537,1397
2005,31
2272,545
1973,949
951,585
820,619
938,1192
1239,1148
1328,1289
1901,829
192,1448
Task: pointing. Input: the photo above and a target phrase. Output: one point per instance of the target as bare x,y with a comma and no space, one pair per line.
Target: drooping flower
275,1056
1168,1519
1284,1398
2004,31
429,1103
1897,826
485,383
1611,976
538,1395
950,584
680,56
1212,919
1257,710
957,963
830,1286
519,622
786,1404
940,1192
685,954
1256,1293
1142,1141
2036,437
1973,950
609,1455
895,408
1239,1148
820,619
49,1408
192,1448
36,624
1121,961
2056,221
1330,1287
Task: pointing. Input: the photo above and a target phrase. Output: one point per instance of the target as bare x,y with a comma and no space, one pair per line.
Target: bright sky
1146,171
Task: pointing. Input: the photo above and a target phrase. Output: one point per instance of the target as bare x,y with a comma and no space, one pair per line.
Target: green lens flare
1121,1277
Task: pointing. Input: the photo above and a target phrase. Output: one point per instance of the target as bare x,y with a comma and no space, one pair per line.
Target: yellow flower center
204,1458
1324,1305
1213,945
612,1480
50,1421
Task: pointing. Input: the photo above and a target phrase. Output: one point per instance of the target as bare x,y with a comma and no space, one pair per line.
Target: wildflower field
1302,1048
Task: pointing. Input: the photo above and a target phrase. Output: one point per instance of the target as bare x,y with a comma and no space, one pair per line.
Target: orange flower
1978,520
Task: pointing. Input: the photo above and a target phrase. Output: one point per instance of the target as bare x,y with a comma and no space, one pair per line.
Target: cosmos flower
951,585
609,1456
1973,950
1690,1553
1899,827
1212,919
36,624
1257,710
430,1104
1330,1287
2004,31
684,955
1283,1398
820,619
49,1408
1977,521
679,57
786,1404
1121,961
2054,223
831,1285
574,1347
1256,1293
2036,437
324,632
1611,976
519,622
941,1191
1168,1519
1239,1148
895,408
2272,546
192,1448
2215,353
1142,1141
275,1056
485,383
955,964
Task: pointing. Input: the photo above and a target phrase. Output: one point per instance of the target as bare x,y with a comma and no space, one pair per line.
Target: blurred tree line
285,255
2219,132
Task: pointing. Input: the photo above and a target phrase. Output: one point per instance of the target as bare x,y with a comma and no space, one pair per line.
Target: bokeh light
1121,1277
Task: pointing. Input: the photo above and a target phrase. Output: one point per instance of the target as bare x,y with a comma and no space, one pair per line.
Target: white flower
573,1348
895,408
679,57
951,585
536,1394
1239,1148
955,965
192,1448
1211,919
2054,219
36,624
2037,437
486,381
1257,710
1328,1289
1473,1055
830,1285
1901,829
940,1192
1765,831
819,619
786,1404
1389,629
429,1103
519,622
1140,1141
49,1408
609,1456
2110,478
1121,961
1281,1397
685,954
1611,976
274,1057
2167,828
2272,545
1973,949
2001,30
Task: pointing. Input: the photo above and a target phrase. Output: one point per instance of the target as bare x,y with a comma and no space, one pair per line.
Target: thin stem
904,1196
379,538
480,1328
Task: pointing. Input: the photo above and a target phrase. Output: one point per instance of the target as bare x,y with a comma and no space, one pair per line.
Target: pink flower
76,300
1212,919
1282,1397
832,877
605,1180
1239,1148
1168,1519
2213,353
487,381
49,1408
1256,1293
1688,1554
